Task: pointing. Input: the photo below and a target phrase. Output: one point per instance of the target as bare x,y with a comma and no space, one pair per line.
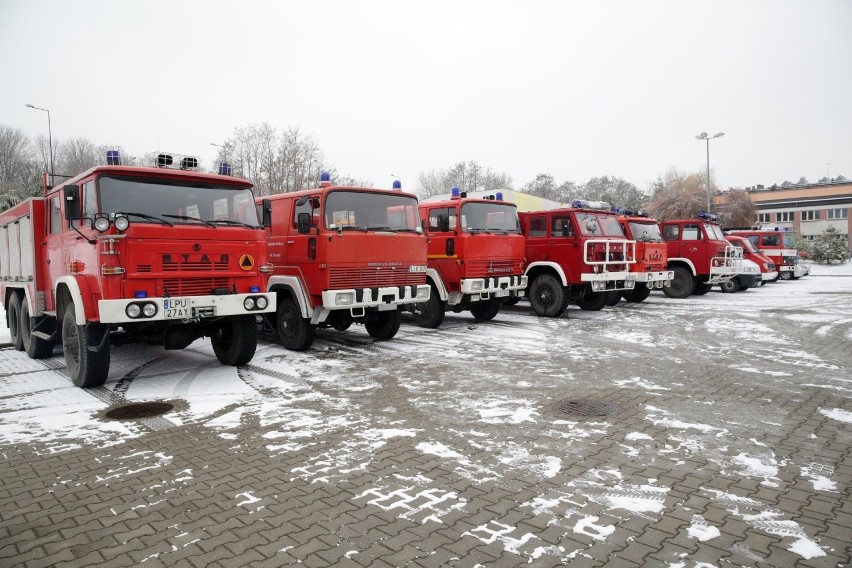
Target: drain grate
139,410
587,408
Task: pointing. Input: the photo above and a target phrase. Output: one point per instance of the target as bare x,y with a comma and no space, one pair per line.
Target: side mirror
73,209
591,226
266,213
303,223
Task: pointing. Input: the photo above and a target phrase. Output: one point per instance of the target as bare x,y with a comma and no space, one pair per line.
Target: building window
763,217
838,213
810,215
784,216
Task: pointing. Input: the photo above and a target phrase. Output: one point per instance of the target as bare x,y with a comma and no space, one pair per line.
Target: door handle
693,249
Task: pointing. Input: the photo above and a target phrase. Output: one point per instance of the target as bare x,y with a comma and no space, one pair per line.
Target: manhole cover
139,410
587,408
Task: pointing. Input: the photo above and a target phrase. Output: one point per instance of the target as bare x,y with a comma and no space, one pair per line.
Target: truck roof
163,173
323,189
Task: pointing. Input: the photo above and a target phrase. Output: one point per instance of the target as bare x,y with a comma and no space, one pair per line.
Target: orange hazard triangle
246,262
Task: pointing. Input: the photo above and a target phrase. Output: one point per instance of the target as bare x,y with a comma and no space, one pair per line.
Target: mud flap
97,335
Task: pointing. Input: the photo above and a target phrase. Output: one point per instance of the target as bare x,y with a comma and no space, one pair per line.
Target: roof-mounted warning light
325,179
224,169
631,212
165,160
189,163
113,158
455,193
397,185
583,204
785,229
713,217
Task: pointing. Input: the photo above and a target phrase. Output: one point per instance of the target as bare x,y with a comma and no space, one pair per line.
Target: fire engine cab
577,254
123,254
699,255
651,266
476,256
779,244
343,255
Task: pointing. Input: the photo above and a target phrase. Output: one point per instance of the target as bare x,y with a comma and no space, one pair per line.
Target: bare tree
678,195
737,209
467,176
75,156
615,191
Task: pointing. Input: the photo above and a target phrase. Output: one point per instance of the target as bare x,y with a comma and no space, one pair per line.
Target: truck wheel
295,332
730,286
637,294
485,310
547,296
36,347
682,284
385,325
593,301
235,340
612,297
430,314
701,288
786,275
13,320
86,368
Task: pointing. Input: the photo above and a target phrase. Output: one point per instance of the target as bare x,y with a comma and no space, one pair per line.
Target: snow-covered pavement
722,436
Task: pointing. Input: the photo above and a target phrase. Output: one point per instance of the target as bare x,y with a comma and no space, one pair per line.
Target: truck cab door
53,246
442,242
564,246
693,245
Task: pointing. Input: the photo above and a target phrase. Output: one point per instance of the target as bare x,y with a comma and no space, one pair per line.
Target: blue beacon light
397,184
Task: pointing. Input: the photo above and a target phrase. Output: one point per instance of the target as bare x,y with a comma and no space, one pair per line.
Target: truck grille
343,278
193,286
194,266
479,268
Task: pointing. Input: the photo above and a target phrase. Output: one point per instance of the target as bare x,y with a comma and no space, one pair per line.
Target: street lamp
49,139
704,136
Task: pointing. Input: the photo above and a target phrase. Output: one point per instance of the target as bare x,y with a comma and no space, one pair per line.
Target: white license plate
176,308
501,293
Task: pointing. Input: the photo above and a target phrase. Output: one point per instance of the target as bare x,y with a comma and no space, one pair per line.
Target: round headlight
248,303
262,303
121,223
133,310
101,224
149,310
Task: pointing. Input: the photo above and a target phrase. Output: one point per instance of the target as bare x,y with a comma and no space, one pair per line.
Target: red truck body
577,254
778,244
163,255
476,257
698,255
343,255
651,268
768,269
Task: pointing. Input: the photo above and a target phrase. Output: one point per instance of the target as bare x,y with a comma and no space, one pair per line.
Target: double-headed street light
704,136
49,138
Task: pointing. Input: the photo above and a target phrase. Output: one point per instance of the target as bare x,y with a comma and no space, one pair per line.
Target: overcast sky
575,89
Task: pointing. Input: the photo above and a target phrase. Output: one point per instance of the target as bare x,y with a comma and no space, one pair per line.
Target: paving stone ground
729,444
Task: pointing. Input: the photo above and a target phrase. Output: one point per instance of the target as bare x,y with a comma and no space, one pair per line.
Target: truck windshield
368,211
789,240
182,202
599,224
493,217
714,232
645,231
746,244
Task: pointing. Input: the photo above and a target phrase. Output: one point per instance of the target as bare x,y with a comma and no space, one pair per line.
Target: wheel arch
536,269
683,263
433,277
291,287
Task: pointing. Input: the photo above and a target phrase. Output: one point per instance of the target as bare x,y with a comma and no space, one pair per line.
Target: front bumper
800,271
768,276
657,279
385,298
499,286
603,281
182,308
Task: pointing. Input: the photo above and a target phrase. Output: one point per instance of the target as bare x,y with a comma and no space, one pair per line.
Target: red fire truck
651,266
344,255
576,254
779,244
123,254
768,273
476,256
699,255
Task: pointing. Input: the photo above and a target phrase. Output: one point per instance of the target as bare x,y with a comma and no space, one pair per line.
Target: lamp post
704,136
49,139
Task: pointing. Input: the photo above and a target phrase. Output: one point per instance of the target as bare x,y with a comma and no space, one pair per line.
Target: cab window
442,220
538,227
310,206
671,232
691,232
55,218
562,227
771,240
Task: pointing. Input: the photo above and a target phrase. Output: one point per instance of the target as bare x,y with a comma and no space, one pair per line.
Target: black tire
430,314
637,294
593,301
486,310
13,320
701,288
87,369
294,331
547,296
36,347
385,325
786,275
731,286
612,297
681,285
235,340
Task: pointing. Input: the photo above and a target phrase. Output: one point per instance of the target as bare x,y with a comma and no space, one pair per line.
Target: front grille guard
627,250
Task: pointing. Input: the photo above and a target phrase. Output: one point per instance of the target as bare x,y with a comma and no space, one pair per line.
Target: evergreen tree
830,246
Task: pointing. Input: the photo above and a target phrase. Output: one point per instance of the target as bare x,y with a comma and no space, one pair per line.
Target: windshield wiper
232,222
476,231
352,228
187,218
381,228
145,216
